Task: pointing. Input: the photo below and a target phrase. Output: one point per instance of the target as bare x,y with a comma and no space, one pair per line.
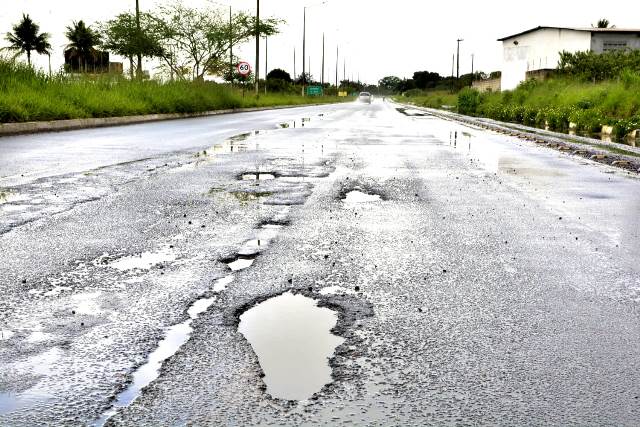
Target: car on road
365,97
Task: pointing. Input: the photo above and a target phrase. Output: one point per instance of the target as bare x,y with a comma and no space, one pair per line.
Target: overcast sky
377,38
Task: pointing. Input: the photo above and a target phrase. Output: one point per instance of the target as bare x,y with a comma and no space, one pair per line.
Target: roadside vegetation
588,91
191,51
28,95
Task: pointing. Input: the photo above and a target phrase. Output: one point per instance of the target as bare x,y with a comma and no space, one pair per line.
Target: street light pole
323,61
337,64
257,73
458,60
304,48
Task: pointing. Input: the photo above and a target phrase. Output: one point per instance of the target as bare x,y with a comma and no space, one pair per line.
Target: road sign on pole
314,90
244,69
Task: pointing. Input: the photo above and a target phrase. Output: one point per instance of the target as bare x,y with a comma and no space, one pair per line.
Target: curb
23,128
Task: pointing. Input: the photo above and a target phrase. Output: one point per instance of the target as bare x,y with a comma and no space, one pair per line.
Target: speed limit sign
244,69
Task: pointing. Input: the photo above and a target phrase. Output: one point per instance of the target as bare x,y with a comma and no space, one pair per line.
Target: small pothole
258,176
356,196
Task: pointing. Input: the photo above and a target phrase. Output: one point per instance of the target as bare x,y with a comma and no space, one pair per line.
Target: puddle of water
263,239
42,364
175,337
292,338
257,177
240,264
245,196
5,334
356,196
143,261
221,285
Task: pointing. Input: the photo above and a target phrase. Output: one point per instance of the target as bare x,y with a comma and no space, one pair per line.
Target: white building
539,48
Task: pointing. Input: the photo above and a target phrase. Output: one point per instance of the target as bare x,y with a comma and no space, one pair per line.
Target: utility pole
458,62
257,73
294,64
323,62
139,55
304,48
266,62
337,64
472,61
453,66
230,47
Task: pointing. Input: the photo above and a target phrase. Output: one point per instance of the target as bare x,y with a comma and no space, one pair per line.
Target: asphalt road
493,281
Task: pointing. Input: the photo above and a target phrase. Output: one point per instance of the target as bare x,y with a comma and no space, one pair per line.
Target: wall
598,40
490,85
538,50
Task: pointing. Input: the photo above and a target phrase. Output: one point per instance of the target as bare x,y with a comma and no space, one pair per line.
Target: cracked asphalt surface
494,282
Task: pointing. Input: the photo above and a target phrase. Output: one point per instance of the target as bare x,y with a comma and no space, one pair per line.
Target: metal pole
458,61
337,64
323,61
230,47
139,55
257,73
294,64
266,62
304,48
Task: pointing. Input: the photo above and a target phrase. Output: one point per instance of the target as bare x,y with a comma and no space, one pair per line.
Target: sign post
244,69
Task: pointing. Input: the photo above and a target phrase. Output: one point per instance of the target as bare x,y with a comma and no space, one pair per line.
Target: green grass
560,101
430,99
28,95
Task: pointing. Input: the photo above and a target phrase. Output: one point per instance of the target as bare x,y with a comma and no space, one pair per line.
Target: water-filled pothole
241,263
292,338
175,337
259,176
142,261
356,196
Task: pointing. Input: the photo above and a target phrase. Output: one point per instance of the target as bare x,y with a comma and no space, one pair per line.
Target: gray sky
377,38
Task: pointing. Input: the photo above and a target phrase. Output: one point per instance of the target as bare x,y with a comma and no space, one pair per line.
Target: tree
201,39
304,78
278,74
426,79
25,39
121,36
603,23
83,40
390,84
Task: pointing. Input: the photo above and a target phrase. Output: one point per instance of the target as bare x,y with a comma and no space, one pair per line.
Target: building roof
590,29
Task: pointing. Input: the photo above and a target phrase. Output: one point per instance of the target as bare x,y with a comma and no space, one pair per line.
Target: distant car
365,97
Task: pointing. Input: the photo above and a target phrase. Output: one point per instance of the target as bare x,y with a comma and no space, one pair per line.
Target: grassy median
28,95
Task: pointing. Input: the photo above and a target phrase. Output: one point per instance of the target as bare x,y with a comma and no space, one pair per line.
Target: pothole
175,337
356,196
263,238
247,196
241,263
142,261
292,338
259,176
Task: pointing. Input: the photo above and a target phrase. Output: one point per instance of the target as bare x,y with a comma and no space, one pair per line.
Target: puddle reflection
292,338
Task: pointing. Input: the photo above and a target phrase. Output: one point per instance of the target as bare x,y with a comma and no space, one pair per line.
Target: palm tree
25,38
82,41
603,23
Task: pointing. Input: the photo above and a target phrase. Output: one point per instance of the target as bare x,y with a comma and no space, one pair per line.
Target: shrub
468,101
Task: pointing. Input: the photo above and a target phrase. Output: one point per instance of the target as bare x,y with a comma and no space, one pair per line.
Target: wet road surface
444,275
